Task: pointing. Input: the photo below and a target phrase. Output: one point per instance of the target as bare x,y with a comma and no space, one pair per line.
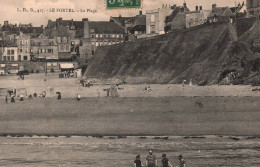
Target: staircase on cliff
233,32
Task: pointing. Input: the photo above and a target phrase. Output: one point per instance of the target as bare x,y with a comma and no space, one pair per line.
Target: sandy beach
165,110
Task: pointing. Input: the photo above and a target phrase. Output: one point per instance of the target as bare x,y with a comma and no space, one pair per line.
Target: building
177,19
197,17
44,49
253,8
80,39
220,14
105,33
9,51
155,20
134,26
24,47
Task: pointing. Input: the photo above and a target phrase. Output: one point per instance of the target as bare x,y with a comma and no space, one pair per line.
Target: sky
9,9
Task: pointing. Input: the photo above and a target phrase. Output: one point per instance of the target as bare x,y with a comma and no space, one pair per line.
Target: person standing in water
165,161
137,161
151,160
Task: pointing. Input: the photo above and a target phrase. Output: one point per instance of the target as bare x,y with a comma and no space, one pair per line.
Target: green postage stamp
117,4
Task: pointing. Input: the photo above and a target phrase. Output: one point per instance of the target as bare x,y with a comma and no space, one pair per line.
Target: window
21,42
8,58
92,51
152,27
117,35
96,35
92,36
113,36
21,50
64,40
12,52
25,58
26,42
100,35
50,50
5,58
8,52
108,36
26,50
92,43
43,50
58,39
152,18
105,35
81,43
96,43
67,47
12,58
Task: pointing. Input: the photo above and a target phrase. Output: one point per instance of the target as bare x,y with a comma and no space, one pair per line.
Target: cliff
206,53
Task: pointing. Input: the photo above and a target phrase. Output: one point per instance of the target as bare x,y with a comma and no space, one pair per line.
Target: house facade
220,14
177,19
24,47
196,18
43,48
253,8
10,53
155,20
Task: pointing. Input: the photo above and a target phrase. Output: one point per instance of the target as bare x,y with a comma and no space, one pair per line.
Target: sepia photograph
130,83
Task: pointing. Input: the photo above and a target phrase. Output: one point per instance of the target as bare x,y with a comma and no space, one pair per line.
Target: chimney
86,28
5,23
140,12
200,7
185,5
42,26
214,6
173,7
197,8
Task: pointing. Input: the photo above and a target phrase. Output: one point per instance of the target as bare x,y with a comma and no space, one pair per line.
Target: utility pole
235,11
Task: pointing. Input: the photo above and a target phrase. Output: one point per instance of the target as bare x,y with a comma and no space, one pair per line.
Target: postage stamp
117,4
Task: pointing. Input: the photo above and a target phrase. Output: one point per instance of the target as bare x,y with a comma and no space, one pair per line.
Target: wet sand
132,116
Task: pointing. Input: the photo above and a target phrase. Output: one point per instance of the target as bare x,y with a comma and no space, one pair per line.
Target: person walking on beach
137,161
78,97
12,98
59,96
6,99
181,161
165,161
151,160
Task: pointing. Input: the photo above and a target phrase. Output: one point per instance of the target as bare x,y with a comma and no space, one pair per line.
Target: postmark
123,4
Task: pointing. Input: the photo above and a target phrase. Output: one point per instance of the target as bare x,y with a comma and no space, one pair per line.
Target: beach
210,125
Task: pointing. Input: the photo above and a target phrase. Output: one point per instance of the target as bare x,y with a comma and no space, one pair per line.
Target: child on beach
182,162
137,161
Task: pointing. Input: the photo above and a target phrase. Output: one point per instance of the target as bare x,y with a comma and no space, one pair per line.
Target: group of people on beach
151,161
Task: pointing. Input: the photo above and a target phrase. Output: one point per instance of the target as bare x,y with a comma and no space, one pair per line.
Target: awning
66,66
64,55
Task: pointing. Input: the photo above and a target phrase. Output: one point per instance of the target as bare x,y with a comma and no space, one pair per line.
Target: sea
120,151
